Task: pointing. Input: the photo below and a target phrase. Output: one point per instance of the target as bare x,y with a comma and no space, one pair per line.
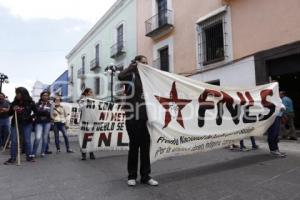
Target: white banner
187,116
102,127
73,117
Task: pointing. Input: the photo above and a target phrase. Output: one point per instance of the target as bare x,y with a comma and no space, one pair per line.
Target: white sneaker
152,182
278,154
131,182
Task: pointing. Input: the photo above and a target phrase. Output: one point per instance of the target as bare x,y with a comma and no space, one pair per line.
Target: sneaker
48,152
30,159
83,156
255,147
131,182
244,149
42,155
278,154
70,151
92,156
152,182
58,151
10,162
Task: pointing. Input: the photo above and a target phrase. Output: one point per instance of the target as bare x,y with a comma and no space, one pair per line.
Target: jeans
273,134
41,132
58,126
242,145
139,141
4,130
25,130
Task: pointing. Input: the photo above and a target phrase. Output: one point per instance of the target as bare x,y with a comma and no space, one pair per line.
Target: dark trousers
139,140
242,145
273,134
58,126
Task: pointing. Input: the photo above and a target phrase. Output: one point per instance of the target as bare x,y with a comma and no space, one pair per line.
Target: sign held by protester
102,126
187,116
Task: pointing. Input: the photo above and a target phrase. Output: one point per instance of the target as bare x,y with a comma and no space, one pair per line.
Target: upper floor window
97,52
164,59
83,64
120,37
212,37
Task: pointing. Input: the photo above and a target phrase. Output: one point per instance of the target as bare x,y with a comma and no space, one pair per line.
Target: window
97,85
120,38
83,64
212,40
164,59
72,74
97,56
162,8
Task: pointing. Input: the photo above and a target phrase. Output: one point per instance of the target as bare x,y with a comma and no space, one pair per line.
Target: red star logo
180,104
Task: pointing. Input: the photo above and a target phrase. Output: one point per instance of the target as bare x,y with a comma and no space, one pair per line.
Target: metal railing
117,49
94,64
159,20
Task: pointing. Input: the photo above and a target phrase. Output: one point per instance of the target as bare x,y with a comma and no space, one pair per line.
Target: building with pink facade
236,43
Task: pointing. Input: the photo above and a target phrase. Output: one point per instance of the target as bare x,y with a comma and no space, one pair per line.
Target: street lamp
3,79
112,70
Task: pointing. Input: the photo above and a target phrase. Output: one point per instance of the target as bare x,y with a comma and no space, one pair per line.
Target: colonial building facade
233,43
112,41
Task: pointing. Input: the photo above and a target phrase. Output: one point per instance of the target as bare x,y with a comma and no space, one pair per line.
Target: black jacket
43,112
25,114
137,101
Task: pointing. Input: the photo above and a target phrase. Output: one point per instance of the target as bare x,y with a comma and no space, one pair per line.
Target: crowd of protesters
28,117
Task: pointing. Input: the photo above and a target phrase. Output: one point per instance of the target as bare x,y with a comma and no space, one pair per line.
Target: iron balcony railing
80,73
159,23
117,49
95,63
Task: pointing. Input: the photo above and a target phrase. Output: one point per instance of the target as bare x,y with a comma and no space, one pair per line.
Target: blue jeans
273,134
25,130
58,126
4,130
41,132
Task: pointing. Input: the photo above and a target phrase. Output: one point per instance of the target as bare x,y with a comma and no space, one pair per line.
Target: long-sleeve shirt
135,92
288,103
26,112
58,114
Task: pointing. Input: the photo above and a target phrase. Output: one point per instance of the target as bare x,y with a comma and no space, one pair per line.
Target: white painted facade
104,34
238,74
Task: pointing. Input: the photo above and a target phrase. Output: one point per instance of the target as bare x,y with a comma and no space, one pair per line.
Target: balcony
117,49
160,24
95,64
81,73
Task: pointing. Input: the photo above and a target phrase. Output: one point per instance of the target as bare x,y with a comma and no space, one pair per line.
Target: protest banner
186,116
102,126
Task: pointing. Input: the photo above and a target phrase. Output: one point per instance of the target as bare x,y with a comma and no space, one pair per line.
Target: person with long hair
87,93
25,110
59,117
136,124
43,123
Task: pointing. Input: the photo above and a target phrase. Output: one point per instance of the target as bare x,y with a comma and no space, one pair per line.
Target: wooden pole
18,140
7,141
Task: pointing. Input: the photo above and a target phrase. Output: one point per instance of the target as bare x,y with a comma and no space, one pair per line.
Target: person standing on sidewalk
43,123
25,108
87,93
59,117
136,124
273,135
289,115
4,119
253,142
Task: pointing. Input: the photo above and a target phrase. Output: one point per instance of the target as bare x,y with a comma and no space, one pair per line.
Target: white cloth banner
186,116
102,126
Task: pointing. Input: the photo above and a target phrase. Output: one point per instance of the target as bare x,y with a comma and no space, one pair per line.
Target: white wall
237,74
